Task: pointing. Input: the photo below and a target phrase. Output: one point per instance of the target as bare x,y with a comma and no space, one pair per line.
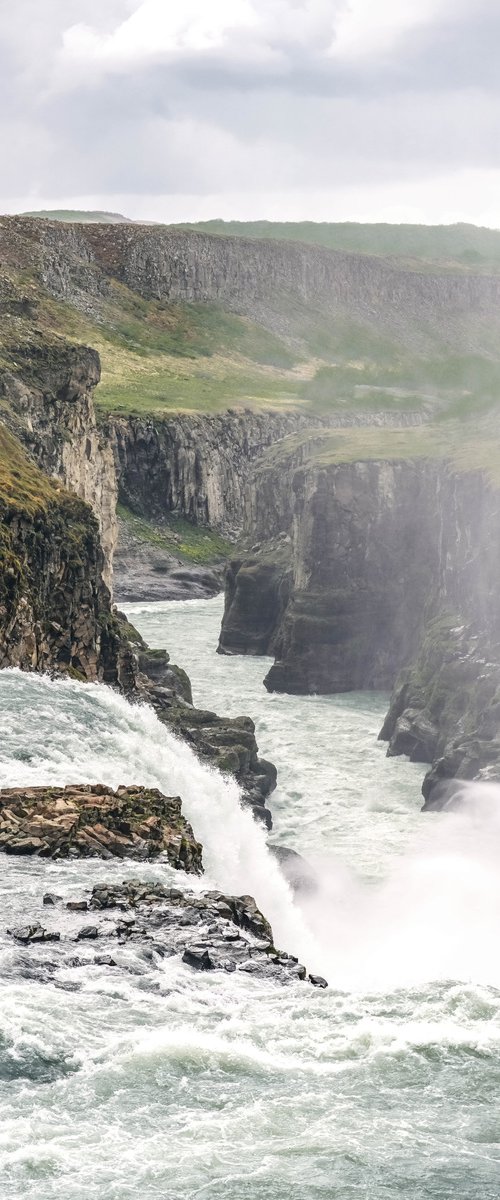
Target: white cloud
367,27
273,100
159,31
440,199
236,32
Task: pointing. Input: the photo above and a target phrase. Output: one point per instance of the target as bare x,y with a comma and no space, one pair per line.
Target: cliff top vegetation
23,487
340,333
467,445
82,216
458,246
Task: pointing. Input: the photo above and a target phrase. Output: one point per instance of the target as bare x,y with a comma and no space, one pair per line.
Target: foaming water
403,897
339,798
173,1084
68,732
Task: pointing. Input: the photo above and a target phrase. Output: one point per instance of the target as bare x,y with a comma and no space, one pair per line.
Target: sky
327,110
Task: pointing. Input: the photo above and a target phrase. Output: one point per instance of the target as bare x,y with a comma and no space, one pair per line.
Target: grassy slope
468,445
24,488
155,357
177,536
159,358
80,215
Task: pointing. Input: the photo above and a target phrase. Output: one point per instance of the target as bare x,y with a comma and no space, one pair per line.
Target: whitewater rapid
174,1084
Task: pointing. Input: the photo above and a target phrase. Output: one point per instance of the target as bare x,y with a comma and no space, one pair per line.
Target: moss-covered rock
445,708
93,821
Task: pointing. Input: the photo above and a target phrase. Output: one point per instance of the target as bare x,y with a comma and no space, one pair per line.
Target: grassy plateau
160,358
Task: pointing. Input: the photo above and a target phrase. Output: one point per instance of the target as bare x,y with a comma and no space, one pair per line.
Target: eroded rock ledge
93,821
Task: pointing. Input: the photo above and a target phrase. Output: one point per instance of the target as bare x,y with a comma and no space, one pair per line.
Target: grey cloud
220,122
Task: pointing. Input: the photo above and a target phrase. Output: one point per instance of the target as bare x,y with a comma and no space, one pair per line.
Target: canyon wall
199,465
281,285
272,283
49,405
196,465
54,606
352,571
374,574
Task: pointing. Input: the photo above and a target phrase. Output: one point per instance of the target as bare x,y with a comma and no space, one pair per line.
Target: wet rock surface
93,821
445,708
134,926
144,571
227,743
297,870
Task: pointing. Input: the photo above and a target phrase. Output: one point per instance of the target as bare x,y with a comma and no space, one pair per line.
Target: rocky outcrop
49,406
445,709
258,587
134,926
93,821
227,743
54,606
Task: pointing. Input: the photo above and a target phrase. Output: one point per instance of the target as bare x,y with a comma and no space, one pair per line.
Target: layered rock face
379,567
50,407
273,283
93,821
197,465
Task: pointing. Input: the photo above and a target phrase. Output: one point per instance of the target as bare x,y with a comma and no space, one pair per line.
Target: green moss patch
23,487
178,536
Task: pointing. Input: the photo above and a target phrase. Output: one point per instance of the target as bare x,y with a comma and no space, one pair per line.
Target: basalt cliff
56,610
377,573
365,508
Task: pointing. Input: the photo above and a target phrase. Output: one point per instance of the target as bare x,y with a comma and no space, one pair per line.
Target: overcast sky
287,109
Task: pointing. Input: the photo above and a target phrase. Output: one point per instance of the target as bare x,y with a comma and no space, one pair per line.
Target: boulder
91,820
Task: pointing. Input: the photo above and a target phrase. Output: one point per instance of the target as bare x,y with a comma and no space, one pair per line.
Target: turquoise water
170,1084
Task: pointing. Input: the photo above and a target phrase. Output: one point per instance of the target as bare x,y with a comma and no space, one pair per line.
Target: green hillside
458,245
160,356
81,217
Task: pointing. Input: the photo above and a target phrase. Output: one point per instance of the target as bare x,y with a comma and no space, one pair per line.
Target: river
141,1085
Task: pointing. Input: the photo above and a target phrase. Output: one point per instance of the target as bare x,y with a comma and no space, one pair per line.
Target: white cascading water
79,733
175,1084
434,917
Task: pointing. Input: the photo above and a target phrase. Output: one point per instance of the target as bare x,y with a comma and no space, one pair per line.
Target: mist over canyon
311,430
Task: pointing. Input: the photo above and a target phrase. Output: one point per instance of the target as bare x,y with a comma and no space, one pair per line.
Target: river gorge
152,1079
241,959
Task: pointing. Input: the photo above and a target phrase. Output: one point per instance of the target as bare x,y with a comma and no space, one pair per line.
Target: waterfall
57,732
